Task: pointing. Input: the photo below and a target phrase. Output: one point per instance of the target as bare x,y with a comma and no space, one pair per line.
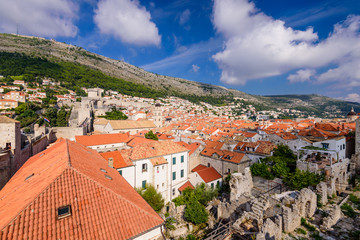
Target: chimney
111,162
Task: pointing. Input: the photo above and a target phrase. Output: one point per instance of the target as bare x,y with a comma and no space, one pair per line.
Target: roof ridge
110,190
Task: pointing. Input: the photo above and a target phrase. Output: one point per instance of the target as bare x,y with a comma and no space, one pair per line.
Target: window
174,160
343,146
325,145
157,186
63,212
173,191
182,159
144,167
208,164
182,173
163,167
120,171
212,185
163,184
174,175
228,170
143,185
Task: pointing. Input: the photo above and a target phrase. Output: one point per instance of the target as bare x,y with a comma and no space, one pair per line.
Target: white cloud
303,75
258,46
128,21
195,68
184,17
48,19
353,97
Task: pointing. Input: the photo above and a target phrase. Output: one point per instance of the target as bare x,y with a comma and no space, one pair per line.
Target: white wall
337,145
151,235
129,174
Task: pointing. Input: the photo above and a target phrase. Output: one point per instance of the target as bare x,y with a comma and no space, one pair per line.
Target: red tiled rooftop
186,185
153,149
102,139
118,160
70,174
208,174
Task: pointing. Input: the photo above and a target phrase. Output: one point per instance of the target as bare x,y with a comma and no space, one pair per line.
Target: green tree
280,169
262,170
20,109
151,135
51,114
195,212
152,197
115,115
302,179
61,120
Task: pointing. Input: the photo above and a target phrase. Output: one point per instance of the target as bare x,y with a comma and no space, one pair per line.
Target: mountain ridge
57,51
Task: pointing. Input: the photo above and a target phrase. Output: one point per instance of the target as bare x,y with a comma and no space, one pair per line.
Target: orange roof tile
118,160
208,174
186,185
102,139
134,141
153,149
70,174
158,161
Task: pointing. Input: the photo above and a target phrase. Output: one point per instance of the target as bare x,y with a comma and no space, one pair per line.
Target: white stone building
161,164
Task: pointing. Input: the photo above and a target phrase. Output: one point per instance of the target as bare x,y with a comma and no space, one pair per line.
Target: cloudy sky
262,47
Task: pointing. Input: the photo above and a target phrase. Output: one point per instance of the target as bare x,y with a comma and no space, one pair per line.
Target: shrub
301,231
195,212
348,210
307,225
152,197
262,170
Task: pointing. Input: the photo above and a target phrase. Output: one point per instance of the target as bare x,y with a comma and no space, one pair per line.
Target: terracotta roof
4,119
138,140
102,139
118,160
129,124
208,174
158,161
198,168
153,149
186,185
70,174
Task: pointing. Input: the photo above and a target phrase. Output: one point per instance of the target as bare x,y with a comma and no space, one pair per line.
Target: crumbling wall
333,217
303,205
323,191
271,229
240,184
291,218
339,174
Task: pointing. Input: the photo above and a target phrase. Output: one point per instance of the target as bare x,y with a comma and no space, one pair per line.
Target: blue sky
263,47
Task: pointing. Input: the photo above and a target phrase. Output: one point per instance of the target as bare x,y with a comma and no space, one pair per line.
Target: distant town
99,164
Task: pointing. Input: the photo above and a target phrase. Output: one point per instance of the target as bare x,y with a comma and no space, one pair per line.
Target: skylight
103,170
108,177
64,211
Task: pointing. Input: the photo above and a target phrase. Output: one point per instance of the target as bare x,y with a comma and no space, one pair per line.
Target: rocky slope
56,51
